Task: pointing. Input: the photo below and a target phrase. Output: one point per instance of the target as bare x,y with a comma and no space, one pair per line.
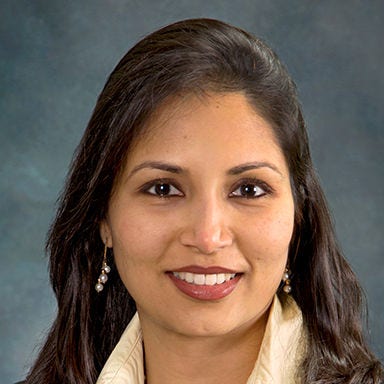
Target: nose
206,227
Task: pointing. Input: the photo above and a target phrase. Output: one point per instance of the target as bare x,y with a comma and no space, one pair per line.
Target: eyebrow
156,165
177,170
253,165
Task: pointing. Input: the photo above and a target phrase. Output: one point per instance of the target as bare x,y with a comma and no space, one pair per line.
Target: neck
174,358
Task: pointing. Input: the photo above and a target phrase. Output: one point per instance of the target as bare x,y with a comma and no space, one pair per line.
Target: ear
106,233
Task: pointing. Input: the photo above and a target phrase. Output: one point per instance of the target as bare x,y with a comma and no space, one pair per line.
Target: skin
212,146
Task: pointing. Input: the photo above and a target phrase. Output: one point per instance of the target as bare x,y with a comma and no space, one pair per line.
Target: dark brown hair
196,56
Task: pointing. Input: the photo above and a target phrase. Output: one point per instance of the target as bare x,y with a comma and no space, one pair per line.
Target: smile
206,284
204,279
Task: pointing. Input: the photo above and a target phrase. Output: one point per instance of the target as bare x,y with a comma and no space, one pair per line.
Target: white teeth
220,278
200,279
210,279
189,277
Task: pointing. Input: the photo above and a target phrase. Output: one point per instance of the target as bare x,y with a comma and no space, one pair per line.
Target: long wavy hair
194,56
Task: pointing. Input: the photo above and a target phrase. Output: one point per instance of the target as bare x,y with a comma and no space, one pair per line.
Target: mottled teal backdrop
55,57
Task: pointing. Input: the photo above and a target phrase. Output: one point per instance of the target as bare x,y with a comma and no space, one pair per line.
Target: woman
193,201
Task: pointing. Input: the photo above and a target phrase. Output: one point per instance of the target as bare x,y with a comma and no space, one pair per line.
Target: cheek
137,245
270,236
267,252
138,240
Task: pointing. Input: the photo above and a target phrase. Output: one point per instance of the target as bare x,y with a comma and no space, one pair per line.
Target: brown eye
162,189
249,191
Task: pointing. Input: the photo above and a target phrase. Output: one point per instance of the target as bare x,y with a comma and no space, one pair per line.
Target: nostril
206,227
205,242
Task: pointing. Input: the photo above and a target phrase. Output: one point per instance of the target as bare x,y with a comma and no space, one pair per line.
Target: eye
250,190
161,189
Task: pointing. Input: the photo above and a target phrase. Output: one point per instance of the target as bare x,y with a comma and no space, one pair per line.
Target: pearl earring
105,269
287,282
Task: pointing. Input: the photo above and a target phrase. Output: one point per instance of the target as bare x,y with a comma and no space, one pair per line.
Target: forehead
215,124
228,114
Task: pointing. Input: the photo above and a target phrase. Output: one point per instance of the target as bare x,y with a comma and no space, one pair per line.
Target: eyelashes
162,188
248,188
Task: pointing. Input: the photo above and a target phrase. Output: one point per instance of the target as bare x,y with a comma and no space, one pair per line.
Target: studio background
55,57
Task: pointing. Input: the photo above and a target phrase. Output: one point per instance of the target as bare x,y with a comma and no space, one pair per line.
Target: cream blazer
280,355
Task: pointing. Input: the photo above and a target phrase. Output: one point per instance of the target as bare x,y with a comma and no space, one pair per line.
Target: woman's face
201,218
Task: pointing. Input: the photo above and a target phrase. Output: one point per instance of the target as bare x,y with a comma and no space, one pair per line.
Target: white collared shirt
279,357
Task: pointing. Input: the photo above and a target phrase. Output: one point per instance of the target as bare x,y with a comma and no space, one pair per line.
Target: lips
201,283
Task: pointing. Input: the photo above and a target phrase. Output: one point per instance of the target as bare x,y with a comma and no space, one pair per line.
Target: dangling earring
105,268
287,282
